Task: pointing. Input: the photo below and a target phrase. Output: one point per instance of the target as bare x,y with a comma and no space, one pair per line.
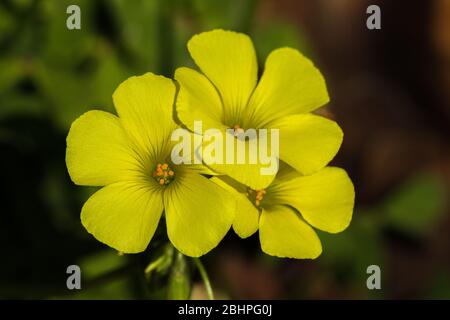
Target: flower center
238,130
163,174
256,196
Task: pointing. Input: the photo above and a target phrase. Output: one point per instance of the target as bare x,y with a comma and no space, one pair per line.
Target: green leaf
357,247
11,70
137,23
417,205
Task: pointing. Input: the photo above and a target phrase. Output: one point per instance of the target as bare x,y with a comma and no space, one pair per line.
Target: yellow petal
186,152
246,220
248,172
124,215
228,59
196,169
284,234
197,100
198,213
308,142
290,84
99,152
325,199
145,107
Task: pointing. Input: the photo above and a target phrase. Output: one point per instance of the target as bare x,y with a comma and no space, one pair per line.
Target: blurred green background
389,91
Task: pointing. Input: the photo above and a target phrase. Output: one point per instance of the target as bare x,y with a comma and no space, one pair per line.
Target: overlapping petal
198,100
246,221
228,59
244,166
198,213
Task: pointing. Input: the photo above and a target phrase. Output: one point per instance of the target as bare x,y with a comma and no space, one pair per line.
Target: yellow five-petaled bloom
227,94
290,206
129,156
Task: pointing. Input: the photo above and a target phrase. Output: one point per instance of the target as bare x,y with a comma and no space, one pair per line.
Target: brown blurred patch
247,279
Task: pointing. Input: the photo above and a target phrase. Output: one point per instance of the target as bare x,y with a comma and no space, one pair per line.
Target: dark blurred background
389,92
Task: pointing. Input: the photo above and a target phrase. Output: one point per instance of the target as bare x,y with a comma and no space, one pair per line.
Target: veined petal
283,233
197,169
124,215
246,220
308,142
197,100
245,166
248,174
325,199
290,84
228,59
145,107
198,213
99,151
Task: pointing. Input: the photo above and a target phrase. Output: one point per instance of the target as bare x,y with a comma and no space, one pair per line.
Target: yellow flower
130,156
226,95
285,211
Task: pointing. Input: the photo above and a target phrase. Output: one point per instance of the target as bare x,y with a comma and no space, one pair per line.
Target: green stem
205,278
